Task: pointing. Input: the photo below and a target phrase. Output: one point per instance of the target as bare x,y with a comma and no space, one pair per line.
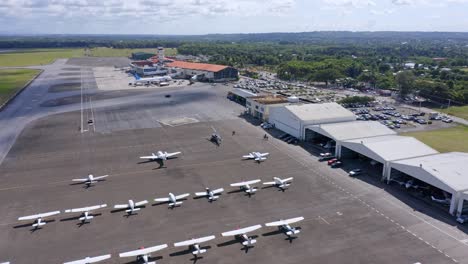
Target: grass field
444,140
27,57
12,80
460,111
110,52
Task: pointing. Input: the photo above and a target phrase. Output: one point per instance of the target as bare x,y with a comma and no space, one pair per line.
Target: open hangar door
367,164
318,139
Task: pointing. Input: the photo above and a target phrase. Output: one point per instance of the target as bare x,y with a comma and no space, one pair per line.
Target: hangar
384,149
293,119
339,132
204,72
446,171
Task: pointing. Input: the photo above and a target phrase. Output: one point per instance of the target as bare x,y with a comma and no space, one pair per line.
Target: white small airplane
210,194
248,241
246,186
284,225
38,218
85,216
172,199
160,155
280,183
131,205
259,157
143,254
91,179
148,80
194,244
89,260
445,201
5,262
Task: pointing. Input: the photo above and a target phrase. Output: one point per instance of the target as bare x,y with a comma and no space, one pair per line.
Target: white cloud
350,3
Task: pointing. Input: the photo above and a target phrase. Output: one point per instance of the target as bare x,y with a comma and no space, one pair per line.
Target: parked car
336,164
330,162
266,125
325,154
355,172
447,120
326,158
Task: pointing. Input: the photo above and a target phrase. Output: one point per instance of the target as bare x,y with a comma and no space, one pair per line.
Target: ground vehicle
326,154
355,172
330,162
266,125
447,120
336,164
326,158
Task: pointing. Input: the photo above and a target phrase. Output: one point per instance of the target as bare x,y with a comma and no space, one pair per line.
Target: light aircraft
215,137
242,233
143,254
88,260
38,218
245,186
408,184
90,179
284,225
85,216
160,155
148,80
132,206
445,201
210,194
259,157
172,199
194,244
280,183
5,262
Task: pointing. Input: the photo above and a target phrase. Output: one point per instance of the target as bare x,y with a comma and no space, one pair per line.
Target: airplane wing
285,222
264,154
33,217
85,209
149,157
250,156
241,231
121,206
166,199
141,203
269,183
79,180
89,260
182,196
193,241
288,179
172,154
100,177
220,190
201,194
238,184
142,251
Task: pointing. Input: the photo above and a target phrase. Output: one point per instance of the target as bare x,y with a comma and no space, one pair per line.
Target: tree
405,81
326,75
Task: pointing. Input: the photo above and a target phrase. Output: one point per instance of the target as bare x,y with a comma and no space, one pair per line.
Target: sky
195,17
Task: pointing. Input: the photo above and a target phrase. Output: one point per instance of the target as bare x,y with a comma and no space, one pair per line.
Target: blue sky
229,16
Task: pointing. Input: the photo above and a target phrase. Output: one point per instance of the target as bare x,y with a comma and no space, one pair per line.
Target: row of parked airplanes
173,200
143,255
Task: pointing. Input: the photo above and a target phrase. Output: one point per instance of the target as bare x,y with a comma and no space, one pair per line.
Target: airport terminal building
204,72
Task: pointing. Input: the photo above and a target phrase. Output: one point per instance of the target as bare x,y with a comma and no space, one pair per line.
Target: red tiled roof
197,66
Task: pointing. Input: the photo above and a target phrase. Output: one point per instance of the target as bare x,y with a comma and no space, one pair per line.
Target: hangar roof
450,169
197,66
312,112
352,130
243,93
389,148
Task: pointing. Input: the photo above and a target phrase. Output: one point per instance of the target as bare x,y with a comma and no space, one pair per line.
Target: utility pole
81,124
448,106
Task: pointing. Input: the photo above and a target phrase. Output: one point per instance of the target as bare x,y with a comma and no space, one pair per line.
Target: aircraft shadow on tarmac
237,240
127,215
187,251
277,232
33,229
150,259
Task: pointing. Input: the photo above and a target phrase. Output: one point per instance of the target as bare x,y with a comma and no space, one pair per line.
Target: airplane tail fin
131,211
213,198
89,217
293,232
249,242
201,251
175,204
251,190
39,224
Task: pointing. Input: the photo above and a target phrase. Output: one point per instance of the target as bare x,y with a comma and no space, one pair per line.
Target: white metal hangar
293,119
339,132
446,171
385,149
